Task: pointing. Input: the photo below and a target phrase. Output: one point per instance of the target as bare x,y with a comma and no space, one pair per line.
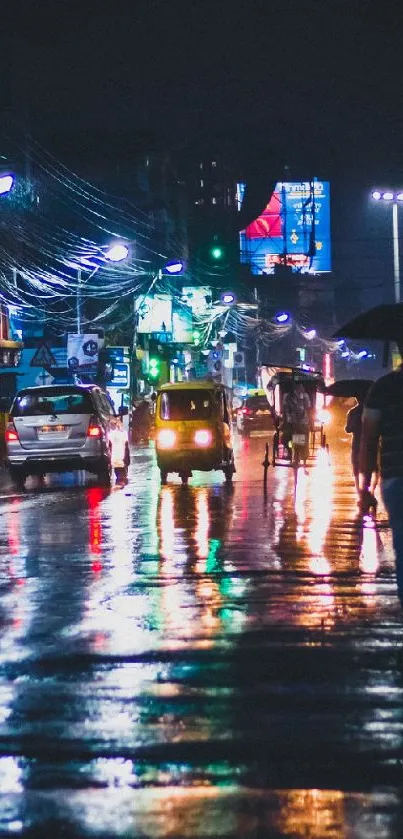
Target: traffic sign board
120,376
43,357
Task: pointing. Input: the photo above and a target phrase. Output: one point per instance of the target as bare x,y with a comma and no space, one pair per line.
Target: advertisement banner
293,230
82,351
198,298
154,313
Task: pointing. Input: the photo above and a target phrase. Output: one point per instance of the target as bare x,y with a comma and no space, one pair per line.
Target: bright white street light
393,198
117,253
227,297
174,267
6,182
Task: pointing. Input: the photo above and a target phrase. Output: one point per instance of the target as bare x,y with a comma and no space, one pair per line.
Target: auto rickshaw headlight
166,438
323,416
203,437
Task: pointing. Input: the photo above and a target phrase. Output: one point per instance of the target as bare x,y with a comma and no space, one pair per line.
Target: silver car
59,428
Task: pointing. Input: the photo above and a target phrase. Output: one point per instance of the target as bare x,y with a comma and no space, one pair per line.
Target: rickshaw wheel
275,447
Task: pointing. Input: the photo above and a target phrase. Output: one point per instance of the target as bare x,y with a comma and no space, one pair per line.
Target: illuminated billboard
154,313
199,298
293,230
161,315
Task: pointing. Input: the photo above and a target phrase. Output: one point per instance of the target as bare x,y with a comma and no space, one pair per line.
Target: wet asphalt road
200,661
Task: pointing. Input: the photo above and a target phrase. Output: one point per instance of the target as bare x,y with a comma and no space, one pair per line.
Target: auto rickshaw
193,429
314,385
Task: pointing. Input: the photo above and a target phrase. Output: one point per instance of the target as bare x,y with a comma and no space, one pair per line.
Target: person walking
382,427
353,427
120,452
141,422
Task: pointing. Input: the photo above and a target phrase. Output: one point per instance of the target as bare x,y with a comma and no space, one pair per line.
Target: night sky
315,85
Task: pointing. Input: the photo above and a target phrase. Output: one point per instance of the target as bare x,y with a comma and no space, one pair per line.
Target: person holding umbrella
354,389
382,427
382,421
353,427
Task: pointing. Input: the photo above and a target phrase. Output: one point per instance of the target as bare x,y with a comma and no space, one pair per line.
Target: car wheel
18,476
105,473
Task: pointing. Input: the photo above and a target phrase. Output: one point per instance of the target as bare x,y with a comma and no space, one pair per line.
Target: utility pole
258,359
78,301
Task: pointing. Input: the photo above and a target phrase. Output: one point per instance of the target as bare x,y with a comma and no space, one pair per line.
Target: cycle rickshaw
303,443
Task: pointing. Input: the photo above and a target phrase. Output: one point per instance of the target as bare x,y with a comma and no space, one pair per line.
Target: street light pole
394,198
396,260
78,301
115,253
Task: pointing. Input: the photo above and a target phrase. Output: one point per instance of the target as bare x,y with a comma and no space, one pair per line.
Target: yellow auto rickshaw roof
195,384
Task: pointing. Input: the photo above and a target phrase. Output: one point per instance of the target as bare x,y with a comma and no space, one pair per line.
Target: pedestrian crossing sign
43,357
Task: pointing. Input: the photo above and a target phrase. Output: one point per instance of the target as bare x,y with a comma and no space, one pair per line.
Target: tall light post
115,253
395,198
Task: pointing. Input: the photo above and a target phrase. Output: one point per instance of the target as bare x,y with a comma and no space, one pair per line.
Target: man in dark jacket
382,423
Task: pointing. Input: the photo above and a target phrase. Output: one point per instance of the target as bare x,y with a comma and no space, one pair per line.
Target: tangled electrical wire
53,247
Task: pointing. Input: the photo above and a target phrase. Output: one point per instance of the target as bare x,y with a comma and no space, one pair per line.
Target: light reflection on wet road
202,660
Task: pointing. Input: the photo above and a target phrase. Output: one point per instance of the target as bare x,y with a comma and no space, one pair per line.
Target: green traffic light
154,368
217,252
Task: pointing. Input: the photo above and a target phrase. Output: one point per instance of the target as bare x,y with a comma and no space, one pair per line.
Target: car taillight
247,411
94,429
203,437
11,435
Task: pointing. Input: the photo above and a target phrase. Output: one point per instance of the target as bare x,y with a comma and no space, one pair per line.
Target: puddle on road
198,812
171,659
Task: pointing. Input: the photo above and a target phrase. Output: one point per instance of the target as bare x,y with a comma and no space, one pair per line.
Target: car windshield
186,405
51,401
256,402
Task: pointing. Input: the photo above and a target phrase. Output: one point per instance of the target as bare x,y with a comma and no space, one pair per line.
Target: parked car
59,428
254,415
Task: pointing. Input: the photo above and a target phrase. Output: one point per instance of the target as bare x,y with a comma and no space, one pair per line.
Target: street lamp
6,183
227,298
176,266
282,317
394,198
115,253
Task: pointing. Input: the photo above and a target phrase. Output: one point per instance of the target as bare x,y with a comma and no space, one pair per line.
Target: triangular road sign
43,357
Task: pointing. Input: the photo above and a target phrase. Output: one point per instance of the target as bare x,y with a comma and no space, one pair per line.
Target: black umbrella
349,388
383,323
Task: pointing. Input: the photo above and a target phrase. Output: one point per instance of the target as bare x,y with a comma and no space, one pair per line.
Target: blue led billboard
293,230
